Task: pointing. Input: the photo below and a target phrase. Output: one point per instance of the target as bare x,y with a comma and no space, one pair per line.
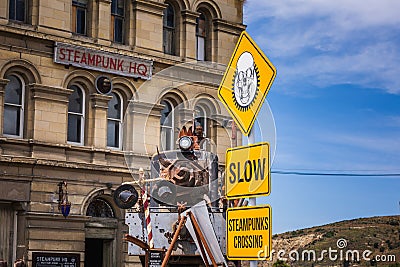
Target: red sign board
87,58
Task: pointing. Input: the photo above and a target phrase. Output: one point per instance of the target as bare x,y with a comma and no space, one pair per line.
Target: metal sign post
243,89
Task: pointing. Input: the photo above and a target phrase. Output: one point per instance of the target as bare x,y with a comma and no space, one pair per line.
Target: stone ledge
189,16
86,151
100,101
144,108
3,83
149,6
228,27
45,92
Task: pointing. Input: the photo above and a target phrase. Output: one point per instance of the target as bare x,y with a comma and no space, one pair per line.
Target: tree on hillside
280,263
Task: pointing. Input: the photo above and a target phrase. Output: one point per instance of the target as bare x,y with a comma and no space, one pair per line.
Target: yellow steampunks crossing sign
246,82
248,235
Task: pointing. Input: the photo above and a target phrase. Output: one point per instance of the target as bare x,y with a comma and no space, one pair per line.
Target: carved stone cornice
221,119
3,83
149,6
105,1
45,92
100,101
185,114
228,27
189,16
144,108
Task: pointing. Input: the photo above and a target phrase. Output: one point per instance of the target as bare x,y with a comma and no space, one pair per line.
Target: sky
335,104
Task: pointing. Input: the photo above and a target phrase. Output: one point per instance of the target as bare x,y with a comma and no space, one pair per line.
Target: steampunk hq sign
87,58
246,82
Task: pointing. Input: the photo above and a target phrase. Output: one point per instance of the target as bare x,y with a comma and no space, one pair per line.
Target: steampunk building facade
55,126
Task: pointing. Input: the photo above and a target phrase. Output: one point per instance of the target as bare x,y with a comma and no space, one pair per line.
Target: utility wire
322,173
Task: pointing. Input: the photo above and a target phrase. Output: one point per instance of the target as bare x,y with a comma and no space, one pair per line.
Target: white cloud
330,42
322,150
373,65
379,145
353,13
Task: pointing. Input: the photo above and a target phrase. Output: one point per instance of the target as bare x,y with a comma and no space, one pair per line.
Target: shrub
329,234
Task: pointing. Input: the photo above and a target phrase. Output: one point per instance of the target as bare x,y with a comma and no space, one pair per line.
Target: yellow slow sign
247,171
249,233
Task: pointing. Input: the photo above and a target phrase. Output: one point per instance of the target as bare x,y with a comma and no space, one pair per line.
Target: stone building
60,122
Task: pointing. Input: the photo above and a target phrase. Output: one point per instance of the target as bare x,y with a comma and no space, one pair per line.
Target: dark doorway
93,252
101,244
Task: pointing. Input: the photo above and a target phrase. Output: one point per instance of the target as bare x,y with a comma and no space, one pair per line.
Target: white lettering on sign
103,61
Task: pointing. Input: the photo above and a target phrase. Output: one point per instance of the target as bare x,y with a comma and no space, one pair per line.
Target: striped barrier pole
146,209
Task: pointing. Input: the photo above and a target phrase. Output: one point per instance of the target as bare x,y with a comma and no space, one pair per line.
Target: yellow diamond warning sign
248,233
247,172
246,82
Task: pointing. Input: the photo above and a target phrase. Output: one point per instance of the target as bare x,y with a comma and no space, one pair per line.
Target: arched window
117,20
100,208
76,117
167,122
18,10
114,121
201,37
79,16
169,30
14,106
202,118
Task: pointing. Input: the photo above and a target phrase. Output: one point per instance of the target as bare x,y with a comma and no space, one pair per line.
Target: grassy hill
346,243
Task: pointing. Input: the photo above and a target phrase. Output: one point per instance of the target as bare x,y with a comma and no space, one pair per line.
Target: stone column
142,128
53,17
97,121
104,22
148,24
223,135
3,12
184,115
226,36
188,33
3,83
48,121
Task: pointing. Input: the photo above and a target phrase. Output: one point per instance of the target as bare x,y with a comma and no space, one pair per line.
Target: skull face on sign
245,81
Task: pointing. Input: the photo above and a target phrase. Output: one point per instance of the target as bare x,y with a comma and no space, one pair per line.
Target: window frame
201,37
169,31
16,7
21,107
163,127
75,6
115,15
120,122
96,205
82,117
202,114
